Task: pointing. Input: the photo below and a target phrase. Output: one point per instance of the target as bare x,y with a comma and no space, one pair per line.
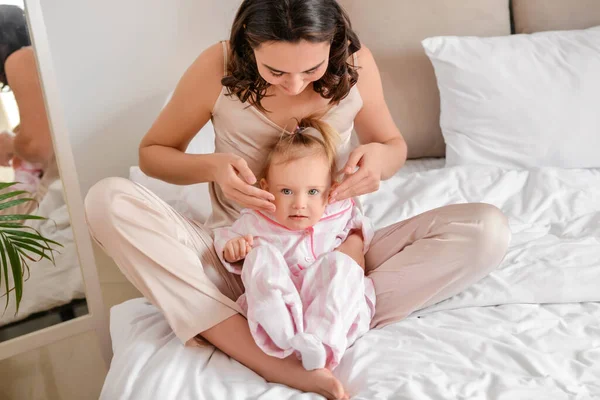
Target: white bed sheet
545,352
49,285
531,330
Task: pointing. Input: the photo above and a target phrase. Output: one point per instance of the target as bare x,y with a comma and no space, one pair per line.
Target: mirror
36,237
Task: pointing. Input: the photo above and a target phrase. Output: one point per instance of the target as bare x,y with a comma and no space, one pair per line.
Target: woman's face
291,67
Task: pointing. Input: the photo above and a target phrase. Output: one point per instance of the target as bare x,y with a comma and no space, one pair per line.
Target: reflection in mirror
36,241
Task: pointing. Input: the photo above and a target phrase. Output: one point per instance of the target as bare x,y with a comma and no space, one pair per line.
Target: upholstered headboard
393,30
548,15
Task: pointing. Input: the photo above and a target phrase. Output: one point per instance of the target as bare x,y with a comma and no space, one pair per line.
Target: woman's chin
291,93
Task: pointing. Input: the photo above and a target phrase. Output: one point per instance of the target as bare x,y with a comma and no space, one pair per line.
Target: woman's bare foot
233,337
320,381
326,384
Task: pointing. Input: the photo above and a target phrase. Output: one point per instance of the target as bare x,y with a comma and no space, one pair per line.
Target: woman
31,145
284,60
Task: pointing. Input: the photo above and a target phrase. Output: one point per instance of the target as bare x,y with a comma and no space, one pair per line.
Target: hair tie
299,129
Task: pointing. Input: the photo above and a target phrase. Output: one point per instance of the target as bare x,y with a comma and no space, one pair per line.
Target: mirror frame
96,319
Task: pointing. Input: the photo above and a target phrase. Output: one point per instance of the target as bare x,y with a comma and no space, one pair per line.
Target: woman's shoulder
364,60
363,54
369,80
200,85
20,63
212,59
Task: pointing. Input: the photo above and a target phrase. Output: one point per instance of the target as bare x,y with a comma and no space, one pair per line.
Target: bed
531,329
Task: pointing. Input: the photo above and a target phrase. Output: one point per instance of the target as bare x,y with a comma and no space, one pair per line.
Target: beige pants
171,260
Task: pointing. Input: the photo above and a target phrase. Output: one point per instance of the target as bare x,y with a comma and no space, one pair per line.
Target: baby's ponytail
311,137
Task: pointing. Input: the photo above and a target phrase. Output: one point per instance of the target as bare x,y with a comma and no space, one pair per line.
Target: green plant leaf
30,242
19,217
4,185
35,239
17,271
49,251
12,194
12,225
5,269
18,243
14,203
28,271
34,236
32,249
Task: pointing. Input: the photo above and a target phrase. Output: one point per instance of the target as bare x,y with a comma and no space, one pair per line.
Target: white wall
116,61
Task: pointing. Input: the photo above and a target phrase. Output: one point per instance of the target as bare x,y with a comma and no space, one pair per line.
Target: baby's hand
237,249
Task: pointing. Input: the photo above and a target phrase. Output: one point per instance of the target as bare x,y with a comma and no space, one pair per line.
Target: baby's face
301,190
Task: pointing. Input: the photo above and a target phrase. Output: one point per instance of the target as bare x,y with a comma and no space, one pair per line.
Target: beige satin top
242,129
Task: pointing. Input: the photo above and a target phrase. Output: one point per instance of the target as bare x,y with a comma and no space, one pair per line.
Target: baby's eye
286,192
313,192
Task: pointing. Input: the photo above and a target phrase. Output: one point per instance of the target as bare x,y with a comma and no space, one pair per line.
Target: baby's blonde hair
312,137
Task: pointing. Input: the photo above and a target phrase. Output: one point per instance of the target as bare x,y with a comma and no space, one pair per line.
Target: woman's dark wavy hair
14,35
316,21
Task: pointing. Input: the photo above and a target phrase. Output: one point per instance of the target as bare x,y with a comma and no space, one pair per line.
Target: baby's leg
333,295
274,305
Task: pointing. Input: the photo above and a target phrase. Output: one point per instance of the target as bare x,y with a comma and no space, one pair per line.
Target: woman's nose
295,84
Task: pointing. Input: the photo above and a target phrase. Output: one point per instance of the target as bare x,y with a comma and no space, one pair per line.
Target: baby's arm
359,222
237,249
233,243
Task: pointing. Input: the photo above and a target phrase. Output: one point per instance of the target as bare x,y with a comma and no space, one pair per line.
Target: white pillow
520,101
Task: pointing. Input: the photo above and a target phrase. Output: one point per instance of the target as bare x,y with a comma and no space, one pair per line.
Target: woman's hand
353,247
235,178
369,159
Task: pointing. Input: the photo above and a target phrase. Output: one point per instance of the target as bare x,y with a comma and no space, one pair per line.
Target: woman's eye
286,192
313,192
277,74
310,72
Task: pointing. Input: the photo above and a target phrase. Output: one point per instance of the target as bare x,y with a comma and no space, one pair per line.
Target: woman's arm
33,141
383,149
374,123
162,150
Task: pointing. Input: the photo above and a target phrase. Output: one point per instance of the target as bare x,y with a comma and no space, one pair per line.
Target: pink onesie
302,296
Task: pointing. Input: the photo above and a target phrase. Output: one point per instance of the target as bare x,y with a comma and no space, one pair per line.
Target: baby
302,296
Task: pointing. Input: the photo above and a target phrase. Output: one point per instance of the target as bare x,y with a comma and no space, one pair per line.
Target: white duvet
531,330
